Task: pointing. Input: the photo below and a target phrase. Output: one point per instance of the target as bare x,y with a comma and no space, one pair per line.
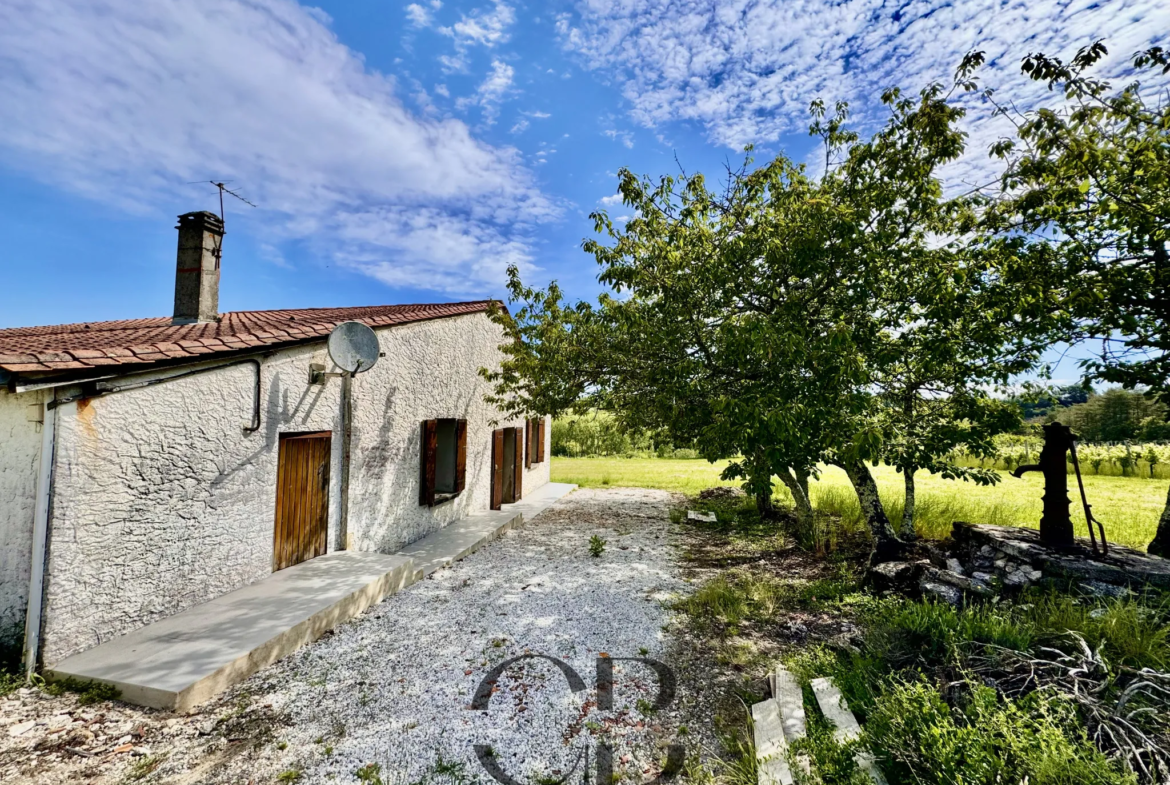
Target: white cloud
497,82
537,115
610,201
452,64
419,16
625,137
520,126
126,103
486,28
491,92
746,70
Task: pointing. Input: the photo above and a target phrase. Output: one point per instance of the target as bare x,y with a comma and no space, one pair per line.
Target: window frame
534,432
428,461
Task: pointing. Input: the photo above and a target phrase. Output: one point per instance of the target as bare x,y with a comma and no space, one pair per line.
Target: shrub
1037,739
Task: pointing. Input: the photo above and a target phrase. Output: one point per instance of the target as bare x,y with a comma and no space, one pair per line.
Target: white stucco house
150,465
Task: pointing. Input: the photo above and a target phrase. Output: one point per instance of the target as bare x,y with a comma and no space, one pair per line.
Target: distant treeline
1112,416
598,434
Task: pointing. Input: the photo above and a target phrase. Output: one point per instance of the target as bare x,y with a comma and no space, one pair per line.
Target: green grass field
1128,506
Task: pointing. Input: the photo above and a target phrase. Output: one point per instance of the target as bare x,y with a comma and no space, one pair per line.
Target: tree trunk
764,503
1161,543
887,544
908,532
760,484
797,483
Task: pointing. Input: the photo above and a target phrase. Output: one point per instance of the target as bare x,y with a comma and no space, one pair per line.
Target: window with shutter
460,455
528,444
534,439
442,461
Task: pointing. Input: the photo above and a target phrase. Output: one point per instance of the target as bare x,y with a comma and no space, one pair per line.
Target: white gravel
395,687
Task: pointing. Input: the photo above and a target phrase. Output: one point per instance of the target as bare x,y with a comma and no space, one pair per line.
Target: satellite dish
353,346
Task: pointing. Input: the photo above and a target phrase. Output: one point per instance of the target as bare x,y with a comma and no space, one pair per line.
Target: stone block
941,592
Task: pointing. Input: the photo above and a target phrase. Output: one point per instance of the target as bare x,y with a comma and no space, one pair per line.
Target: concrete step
771,748
837,712
185,659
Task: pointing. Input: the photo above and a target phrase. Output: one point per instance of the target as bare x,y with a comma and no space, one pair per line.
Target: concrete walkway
185,659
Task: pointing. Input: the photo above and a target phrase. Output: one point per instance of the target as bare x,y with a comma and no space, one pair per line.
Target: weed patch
9,682
88,692
144,767
596,546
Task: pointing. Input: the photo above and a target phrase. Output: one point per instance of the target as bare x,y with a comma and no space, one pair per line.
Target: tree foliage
786,320
1089,177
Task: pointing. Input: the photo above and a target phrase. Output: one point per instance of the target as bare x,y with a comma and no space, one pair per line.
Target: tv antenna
222,186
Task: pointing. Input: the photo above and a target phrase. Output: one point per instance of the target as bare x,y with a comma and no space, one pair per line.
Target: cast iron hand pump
1056,528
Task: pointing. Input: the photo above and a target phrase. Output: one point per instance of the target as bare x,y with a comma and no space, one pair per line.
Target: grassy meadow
1128,506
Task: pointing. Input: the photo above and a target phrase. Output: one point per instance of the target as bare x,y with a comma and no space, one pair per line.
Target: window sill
443,498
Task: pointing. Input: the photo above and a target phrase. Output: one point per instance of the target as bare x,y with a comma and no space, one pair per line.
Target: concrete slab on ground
771,748
837,712
467,535
185,659
786,692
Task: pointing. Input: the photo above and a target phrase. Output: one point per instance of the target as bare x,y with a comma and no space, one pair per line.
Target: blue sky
408,152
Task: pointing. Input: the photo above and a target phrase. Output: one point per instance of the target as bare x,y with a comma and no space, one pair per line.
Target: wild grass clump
1057,688
1132,632
734,597
981,738
934,513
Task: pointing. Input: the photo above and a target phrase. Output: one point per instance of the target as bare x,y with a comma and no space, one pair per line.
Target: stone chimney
197,268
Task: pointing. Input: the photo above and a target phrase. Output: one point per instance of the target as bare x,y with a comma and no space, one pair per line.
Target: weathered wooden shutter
528,444
497,469
517,492
426,462
540,440
460,455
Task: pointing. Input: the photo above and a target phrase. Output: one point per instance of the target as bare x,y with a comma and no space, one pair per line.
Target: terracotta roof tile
139,342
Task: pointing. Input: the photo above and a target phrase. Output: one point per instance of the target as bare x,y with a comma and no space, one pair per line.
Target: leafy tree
1091,175
786,320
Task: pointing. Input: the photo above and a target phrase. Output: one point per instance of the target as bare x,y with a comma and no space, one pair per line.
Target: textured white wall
161,501
20,449
431,370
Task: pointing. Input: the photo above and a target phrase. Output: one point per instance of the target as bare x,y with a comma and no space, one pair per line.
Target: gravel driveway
390,695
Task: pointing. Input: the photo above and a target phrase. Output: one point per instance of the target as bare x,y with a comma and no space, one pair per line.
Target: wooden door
302,498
